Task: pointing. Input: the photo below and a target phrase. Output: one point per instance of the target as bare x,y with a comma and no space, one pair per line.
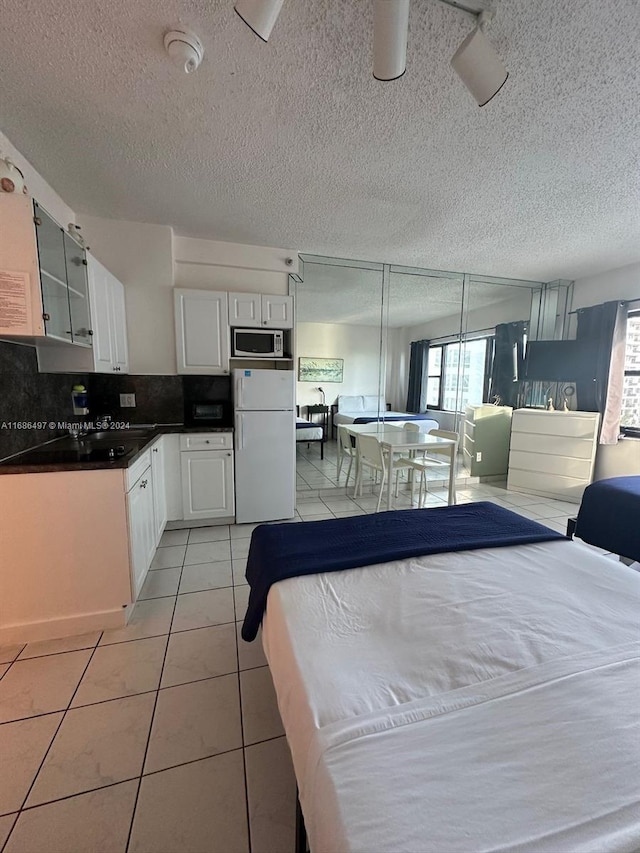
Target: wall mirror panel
427,342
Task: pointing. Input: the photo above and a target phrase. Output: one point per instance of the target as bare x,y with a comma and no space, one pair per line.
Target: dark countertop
91,453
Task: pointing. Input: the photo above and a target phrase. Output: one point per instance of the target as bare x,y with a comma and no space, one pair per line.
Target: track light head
478,65
259,15
390,26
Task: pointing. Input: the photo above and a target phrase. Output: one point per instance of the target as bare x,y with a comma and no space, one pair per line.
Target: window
444,371
434,379
630,420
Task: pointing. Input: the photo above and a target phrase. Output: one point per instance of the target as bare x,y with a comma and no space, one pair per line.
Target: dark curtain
417,374
508,362
605,328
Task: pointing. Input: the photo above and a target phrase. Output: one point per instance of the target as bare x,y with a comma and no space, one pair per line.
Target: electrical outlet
478,455
127,401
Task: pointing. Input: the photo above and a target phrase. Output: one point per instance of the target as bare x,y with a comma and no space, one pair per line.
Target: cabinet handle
206,441
37,220
89,332
155,449
228,454
84,261
68,332
264,322
143,484
46,316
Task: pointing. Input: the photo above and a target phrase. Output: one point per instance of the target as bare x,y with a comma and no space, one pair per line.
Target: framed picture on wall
320,369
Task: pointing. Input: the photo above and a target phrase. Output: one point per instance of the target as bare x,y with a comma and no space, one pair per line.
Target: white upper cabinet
43,277
109,353
277,311
249,310
202,331
245,310
118,315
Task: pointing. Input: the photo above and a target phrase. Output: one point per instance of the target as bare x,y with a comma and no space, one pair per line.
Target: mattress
312,432
477,700
348,418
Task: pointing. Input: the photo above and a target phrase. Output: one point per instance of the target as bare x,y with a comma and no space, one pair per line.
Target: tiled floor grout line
153,714
55,734
244,757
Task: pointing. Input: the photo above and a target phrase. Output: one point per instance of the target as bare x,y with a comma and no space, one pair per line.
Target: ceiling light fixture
478,65
475,62
185,48
259,15
390,29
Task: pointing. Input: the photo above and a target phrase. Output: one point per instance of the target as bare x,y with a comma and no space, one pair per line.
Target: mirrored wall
413,340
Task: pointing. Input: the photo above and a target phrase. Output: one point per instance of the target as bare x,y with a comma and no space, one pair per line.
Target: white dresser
486,440
552,453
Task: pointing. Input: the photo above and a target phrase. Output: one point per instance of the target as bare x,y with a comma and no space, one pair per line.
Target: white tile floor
164,736
159,737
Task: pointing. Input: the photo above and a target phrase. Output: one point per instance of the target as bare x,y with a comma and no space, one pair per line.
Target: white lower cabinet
207,475
159,488
142,528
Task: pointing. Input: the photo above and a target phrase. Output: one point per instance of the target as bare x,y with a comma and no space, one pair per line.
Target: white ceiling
294,143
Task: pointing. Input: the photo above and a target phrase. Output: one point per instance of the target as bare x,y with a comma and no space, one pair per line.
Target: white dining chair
401,461
421,464
346,449
369,453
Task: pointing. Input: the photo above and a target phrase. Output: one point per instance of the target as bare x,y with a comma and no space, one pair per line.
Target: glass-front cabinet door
78,287
53,276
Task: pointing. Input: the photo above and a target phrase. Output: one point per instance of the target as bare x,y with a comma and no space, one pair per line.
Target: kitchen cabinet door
202,331
141,529
207,483
118,325
100,301
53,276
76,266
245,310
277,311
159,489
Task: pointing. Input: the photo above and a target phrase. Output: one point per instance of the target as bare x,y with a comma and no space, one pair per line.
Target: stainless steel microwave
257,343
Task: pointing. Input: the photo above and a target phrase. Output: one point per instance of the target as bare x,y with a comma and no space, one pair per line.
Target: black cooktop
80,454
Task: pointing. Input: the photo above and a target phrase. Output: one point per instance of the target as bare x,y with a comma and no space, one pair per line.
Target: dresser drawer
539,463
552,445
555,423
547,485
206,441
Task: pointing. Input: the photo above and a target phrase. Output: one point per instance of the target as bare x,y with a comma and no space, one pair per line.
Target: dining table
396,440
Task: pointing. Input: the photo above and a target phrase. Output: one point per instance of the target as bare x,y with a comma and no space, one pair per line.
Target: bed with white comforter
365,408
479,700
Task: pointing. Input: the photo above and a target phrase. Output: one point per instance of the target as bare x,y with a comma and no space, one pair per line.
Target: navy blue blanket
280,551
388,418
609,516
304,424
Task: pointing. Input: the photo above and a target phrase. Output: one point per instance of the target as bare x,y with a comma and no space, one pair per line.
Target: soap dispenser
80,399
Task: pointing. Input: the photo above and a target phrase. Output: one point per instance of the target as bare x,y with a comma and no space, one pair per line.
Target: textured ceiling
295,144
334,294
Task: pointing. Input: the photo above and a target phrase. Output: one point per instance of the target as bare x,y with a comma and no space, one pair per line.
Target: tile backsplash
29,397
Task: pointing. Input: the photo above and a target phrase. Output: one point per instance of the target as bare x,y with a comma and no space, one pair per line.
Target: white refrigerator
265,444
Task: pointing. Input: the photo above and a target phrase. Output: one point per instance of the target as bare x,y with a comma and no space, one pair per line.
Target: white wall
141,256
359,346
620,283
38,188
215,265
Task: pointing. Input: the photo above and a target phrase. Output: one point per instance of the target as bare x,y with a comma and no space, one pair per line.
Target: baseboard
54,629
199,522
